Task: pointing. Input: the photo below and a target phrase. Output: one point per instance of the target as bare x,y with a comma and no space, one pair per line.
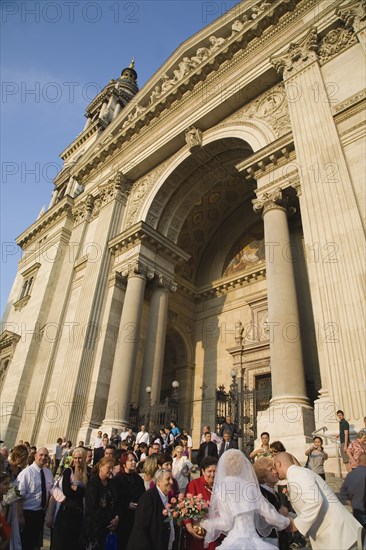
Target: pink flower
181,505
189,495
175,514
165,512
168,506
184,511
200,496
173,500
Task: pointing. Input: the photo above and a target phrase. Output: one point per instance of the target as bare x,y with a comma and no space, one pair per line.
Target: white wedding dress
238,509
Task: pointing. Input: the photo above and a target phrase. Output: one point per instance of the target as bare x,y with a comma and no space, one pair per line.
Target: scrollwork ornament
272,200
298,55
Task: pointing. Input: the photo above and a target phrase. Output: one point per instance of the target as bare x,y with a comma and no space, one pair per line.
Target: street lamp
148,406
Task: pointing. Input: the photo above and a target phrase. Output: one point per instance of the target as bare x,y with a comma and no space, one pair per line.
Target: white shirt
98,442
165,501
30,486
123,435
142,437
190,442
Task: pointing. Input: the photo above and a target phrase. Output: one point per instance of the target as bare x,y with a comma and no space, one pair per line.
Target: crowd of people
112,495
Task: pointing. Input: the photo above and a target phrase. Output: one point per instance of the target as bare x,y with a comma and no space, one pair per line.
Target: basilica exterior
207,229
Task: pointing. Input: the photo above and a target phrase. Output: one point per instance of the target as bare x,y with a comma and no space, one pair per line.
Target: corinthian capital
298,55
274,200
353,14
138,269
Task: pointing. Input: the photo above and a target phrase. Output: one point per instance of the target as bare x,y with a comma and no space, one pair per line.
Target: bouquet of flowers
192,507
12,495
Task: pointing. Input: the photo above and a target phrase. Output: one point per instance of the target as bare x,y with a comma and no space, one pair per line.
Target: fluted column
287,369
333,233
124,363
152,369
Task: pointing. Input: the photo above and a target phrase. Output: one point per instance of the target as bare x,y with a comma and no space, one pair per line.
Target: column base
290,422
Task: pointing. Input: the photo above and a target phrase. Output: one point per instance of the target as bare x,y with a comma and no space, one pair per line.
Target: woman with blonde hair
150,467
181,468
69,518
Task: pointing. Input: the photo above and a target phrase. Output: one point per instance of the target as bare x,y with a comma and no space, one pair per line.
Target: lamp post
148,406
174,397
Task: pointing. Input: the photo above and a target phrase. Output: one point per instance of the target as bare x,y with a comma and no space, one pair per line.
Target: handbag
111,541
51,513
56,491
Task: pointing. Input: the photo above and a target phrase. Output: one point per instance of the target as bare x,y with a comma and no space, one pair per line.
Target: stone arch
255,133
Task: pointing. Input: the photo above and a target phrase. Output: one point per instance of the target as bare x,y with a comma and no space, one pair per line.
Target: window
28,282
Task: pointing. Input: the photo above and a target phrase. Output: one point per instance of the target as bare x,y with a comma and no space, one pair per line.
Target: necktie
226,446
206,450
44,490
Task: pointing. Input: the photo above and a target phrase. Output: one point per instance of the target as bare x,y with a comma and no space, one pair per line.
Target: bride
238,508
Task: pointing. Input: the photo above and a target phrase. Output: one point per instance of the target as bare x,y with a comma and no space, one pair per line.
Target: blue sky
55,57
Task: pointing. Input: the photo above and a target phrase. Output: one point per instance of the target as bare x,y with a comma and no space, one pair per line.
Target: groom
320,515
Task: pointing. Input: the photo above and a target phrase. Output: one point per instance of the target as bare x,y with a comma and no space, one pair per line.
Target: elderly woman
267,479
181,468
201,486
130,487
101,506
69,518
357,447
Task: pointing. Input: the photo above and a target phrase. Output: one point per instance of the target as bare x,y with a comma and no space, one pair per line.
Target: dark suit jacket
212,451
150,530
283,538
232,445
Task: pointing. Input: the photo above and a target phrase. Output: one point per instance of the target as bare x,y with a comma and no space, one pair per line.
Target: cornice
49,218
221,287
352,105
142,233
275,154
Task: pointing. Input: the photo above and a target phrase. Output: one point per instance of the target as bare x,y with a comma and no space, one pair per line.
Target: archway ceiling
207,190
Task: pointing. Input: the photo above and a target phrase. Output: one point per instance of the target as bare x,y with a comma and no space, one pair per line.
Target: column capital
165,283
272,200
138,269
298,55
353,14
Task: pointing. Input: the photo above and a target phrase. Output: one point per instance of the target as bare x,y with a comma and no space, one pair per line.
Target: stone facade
229,189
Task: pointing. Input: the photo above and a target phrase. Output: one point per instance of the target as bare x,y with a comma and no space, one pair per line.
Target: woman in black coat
130,487
101,506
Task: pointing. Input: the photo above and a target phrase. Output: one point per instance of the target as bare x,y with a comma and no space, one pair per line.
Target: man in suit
227,443
208,448
320,515
150,530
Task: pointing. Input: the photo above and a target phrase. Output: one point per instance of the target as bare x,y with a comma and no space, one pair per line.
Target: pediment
189,64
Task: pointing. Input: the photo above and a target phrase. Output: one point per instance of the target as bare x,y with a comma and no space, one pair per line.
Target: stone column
283,318
124,364
333,234
289,417
152,369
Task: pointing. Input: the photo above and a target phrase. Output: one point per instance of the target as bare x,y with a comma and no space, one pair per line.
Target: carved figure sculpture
239,329
193,137
216,43
167,83
155,94
201,55
184,67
